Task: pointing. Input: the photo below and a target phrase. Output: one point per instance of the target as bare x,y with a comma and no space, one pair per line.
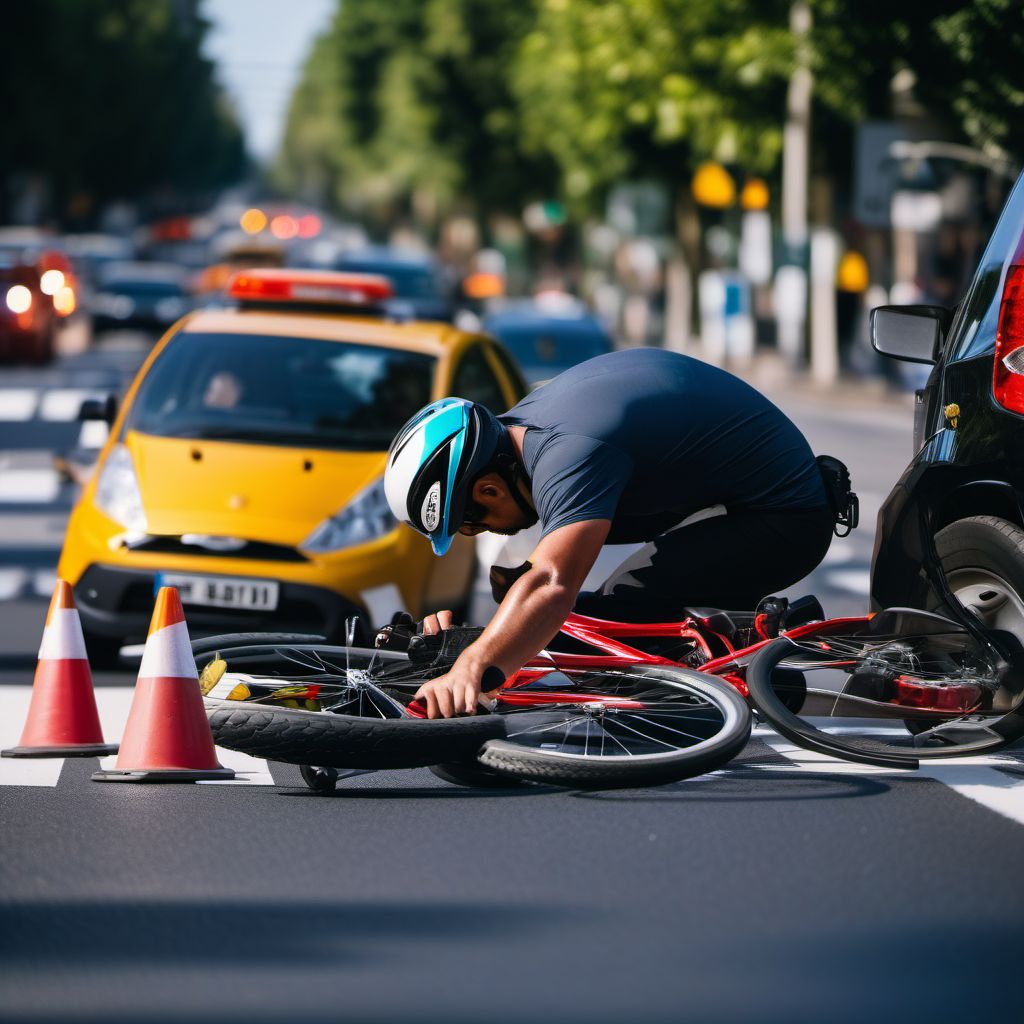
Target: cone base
161,774
71,750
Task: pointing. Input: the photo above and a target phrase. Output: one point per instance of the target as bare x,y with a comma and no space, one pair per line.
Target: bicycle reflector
308,287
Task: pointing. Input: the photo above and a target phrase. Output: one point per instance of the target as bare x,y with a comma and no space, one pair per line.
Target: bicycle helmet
433,462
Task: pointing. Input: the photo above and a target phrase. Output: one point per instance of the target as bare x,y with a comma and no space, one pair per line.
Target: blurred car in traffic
144,296
53,266
964,488
246,465
28,322
418,284
91,252
547,336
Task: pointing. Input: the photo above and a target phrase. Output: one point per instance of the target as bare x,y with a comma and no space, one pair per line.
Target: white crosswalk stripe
14,702
30,484
93,435
983,779
13,582
113,703
63,404
976,778
854,581
18,403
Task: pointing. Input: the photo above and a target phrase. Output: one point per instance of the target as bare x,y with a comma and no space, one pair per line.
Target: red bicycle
837,686
669,704
294,698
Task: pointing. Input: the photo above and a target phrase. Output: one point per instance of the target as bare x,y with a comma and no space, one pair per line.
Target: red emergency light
304,287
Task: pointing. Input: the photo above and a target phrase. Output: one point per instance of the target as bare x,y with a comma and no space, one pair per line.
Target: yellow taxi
246,464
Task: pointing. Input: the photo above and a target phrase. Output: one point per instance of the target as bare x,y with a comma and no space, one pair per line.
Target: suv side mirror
99,409
911,333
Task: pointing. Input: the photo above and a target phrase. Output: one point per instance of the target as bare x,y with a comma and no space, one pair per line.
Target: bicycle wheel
341,719
863,685
636,726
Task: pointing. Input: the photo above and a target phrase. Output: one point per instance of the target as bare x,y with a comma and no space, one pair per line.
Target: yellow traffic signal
713,186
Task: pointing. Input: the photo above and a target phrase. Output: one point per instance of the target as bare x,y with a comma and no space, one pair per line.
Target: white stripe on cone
168,653
62,638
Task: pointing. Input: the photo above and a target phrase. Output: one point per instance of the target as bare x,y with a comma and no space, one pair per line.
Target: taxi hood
255,492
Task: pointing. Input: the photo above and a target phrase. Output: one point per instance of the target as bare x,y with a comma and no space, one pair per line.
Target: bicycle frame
605,636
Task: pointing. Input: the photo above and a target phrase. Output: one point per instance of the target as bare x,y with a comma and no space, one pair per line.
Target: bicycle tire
995,732
591,771
224,641
346,741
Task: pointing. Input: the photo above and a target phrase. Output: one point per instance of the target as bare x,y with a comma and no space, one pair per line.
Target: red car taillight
1008,374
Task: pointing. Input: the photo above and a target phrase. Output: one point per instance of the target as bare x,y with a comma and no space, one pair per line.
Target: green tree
965,57
109,99
408,104
648,88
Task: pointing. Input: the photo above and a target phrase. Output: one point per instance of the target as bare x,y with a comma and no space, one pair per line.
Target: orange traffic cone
167,738
62,717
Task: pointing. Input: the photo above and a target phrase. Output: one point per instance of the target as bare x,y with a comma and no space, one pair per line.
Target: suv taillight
1008,374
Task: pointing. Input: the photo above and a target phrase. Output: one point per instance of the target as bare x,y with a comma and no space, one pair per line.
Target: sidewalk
768,372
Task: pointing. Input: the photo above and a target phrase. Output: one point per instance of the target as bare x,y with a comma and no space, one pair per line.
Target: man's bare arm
530,615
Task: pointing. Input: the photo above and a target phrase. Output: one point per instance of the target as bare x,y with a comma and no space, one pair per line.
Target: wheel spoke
615,739
642,735
668,728
546,728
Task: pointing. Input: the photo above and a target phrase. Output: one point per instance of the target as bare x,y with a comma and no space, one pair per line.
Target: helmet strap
509,469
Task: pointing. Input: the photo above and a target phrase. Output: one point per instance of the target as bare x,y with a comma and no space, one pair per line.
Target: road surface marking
114,702
856,581
44,532
43,582
838,554
18,403
63,404
93,435
977,778
251,771
35,485
14,702
12,581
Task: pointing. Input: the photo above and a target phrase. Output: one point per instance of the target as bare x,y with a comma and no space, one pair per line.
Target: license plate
222,592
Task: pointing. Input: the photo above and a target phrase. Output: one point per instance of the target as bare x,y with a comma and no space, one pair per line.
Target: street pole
795,143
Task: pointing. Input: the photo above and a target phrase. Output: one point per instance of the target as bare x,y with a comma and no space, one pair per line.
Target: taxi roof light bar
309,287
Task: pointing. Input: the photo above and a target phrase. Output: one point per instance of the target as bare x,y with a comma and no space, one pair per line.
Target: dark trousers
727,561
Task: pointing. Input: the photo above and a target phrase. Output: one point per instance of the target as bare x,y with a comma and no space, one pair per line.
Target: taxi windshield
267,389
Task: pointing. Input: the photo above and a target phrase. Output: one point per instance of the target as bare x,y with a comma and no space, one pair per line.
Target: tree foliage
650,87
410,101
482,100
112,99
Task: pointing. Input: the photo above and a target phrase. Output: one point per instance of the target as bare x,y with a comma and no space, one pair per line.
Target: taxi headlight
366,517
117,490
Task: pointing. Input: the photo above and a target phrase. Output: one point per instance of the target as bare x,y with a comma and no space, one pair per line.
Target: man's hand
452,694
529,616
436,623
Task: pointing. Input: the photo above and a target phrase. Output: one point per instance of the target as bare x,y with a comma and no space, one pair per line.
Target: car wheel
983,559
104,651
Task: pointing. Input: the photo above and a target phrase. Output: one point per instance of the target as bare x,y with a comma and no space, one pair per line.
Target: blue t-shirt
646,437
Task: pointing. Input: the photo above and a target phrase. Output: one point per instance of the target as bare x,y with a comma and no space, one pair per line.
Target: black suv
961,499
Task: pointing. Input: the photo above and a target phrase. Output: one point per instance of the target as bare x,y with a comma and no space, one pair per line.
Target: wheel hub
991,598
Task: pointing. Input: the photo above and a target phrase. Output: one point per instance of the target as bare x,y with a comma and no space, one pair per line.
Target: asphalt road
785,887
